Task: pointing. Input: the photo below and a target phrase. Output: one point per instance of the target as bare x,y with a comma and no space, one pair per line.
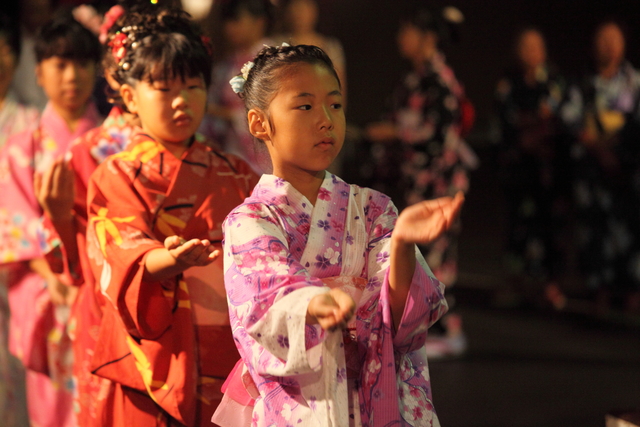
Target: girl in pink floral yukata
329,298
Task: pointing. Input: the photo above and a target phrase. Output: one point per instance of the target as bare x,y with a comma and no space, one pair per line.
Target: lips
326,142
182,120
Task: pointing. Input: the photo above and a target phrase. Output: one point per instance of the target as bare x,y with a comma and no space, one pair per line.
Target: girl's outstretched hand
194,252
426,221
55,190
331,310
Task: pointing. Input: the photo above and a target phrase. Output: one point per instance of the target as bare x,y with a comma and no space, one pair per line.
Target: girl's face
7,67
170,110
305,128
609,45
302,15
245,31
68,83
531,50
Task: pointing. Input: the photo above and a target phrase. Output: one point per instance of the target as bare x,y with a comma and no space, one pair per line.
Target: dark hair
262,81
434,20
230,10
159,46
10,31
67,38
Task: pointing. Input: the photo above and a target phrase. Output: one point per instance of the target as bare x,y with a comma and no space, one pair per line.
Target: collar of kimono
58,129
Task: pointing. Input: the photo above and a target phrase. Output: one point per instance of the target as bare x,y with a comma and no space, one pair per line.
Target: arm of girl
177,256
55,193
421,223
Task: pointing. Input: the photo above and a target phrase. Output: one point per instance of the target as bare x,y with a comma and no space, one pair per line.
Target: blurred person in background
14,118
533,168
300,22
245,25
603,114
67,55
422,154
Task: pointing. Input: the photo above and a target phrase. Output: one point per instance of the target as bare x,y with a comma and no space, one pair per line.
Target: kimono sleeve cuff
283,332
424,305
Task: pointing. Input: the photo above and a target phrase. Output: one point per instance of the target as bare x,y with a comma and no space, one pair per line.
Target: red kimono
166,346
87,153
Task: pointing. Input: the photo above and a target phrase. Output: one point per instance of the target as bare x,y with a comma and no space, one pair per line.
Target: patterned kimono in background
38,335
87,153
606,197
166,346
430,159
534,170
233,134
281,251
14,118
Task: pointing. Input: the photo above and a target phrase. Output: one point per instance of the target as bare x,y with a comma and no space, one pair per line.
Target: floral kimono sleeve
425,302
268,292
20,213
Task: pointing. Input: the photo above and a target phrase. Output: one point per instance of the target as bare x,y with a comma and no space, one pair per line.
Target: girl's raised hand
426,221
55,191
194,252
331,310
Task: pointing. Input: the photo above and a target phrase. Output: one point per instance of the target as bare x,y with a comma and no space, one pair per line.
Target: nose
181,100
326,119
72,71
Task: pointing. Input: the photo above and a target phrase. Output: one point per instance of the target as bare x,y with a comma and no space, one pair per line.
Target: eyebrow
310,95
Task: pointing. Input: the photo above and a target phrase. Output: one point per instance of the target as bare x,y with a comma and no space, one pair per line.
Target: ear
258,124
128,95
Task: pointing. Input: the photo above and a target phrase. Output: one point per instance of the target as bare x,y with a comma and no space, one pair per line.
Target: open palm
425,221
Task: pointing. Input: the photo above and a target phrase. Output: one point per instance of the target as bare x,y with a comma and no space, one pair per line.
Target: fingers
194,252
172,242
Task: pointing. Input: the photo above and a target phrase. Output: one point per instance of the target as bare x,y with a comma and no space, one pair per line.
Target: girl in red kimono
63,196
155,214
67,57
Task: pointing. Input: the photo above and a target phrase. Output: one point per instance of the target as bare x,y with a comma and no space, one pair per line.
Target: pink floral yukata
37,330
279,252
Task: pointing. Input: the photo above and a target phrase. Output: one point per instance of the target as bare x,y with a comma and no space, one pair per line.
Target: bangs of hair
170,55
67,39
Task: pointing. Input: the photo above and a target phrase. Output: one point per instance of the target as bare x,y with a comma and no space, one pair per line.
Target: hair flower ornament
237,84
246,68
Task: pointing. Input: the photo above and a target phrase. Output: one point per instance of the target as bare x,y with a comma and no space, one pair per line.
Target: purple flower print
304,217
279,182
349,239
324,225
342,375
323,262
382,257
373,283
283,341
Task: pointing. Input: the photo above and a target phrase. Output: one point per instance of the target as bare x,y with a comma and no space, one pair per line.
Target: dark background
367,29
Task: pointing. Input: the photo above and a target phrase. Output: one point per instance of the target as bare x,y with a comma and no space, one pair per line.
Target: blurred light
154,1
198,9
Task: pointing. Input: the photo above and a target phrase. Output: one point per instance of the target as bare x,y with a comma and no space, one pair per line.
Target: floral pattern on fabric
170,340
606,176
278,249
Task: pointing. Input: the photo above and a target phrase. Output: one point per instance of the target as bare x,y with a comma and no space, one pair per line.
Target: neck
306,182
609,70
71,116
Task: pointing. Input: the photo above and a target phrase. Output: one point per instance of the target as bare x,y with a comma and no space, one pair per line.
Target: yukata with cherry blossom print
279,252
430,158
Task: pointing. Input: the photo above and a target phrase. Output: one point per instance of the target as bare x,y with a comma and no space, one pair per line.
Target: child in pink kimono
329,298
67,57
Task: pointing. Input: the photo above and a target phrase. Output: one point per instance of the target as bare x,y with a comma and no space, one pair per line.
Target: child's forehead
307,76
